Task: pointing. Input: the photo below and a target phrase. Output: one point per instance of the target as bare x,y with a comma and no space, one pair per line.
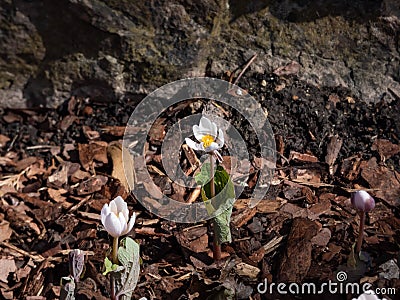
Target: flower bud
362,201
115,217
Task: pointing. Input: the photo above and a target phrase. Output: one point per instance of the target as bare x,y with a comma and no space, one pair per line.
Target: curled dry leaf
122,170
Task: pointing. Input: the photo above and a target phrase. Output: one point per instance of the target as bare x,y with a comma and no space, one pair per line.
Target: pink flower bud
362,201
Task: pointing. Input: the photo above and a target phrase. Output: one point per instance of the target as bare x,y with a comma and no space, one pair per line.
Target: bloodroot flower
362,201
115,217
210,138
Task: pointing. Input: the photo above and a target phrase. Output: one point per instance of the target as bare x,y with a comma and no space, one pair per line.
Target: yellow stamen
207,140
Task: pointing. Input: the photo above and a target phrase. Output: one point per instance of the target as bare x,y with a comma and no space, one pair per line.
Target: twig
193,196
13,142
273,244
245,68
192,227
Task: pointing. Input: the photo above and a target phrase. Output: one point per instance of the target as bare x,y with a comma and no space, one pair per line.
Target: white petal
198,133
113,225
120,203
213,129
212,147
104,212
122,206
218,156
113,207
131,223
220,139
207,126
123,222
193,145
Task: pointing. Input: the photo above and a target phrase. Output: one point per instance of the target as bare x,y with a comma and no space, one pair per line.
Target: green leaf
222,228
222,204
224,196
109,266
127,277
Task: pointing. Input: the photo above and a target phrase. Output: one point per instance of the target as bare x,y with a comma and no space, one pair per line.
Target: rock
109,50
390,270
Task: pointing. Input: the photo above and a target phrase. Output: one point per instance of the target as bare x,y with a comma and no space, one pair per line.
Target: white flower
209,136
115,217
368,295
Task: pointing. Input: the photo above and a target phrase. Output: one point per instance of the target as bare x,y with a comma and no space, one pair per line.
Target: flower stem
115,251
114,254
212,184
216,245
360,232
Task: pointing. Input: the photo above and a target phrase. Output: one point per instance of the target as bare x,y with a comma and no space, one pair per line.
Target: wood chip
334,146
7,266
302,157
350,168
91,185
3,140
273,244
322,238
117,131
386,181
5,230
89,154
191,156
297,258
264,206
242,217
246,270
385,148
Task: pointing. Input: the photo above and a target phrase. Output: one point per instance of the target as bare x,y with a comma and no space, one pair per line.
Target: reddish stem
216,246
360,232
114,254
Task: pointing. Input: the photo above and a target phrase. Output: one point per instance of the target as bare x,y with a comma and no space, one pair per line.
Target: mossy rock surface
112,49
